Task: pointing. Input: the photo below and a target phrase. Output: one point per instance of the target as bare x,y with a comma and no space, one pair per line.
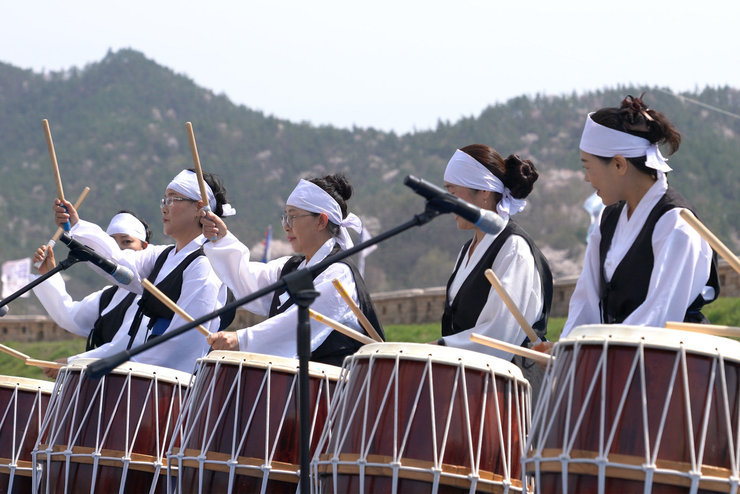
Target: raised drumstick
55,167
13,352
347,331
711,239
172,305
59,231
539,357
493,279
198,171
44,363
364,322
713,329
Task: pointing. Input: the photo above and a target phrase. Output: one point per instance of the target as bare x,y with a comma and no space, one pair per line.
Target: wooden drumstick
44,363
54,166
364,322
539,357
13,352
199,171
172,305
711,239
347,331
493,279
59,231
726,331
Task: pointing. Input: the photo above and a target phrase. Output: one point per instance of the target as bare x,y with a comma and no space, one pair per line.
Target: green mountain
119,127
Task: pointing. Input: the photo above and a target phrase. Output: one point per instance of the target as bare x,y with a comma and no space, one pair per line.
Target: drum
109,435
637,410
22,405
241,424
420,418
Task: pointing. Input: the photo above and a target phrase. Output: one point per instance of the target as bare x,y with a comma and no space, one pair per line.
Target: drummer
644,265
98,316
181,271
316,221
479,175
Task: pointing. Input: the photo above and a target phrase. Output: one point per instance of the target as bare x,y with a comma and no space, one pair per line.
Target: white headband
313,198
186,183
127,224
603,141
466,171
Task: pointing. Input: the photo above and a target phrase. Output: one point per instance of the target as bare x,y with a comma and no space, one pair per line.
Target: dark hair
339,188
218,189
635,118
516,174
148,232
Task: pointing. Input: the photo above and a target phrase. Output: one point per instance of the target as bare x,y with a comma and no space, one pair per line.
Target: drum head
137,369
262,361
26,384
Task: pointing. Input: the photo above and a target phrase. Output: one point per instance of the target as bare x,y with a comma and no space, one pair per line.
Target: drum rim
26,384
137,369
422,351
276,362
653,337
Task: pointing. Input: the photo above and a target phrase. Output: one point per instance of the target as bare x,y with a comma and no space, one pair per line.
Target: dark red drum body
241,425
632,409
110,435
22,405
411,418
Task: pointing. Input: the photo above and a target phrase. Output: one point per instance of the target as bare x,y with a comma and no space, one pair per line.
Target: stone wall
416,306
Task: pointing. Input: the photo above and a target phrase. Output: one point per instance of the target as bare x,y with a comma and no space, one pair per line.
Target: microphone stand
300,286
70,260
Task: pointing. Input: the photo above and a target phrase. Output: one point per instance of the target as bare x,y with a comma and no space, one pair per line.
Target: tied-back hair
219,191
516,174
147,231
634,117
339,188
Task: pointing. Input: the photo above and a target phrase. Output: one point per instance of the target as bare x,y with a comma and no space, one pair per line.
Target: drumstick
13,352
59,231
54,166
347,331
364,322
198,171
172,305
539,357
711,239
493,279
44,363
727,331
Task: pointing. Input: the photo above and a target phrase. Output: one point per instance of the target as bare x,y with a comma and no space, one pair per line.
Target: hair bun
520,176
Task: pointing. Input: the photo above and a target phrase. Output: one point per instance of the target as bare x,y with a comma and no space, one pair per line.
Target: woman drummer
181,271
316,221
644,265
479,175
99,315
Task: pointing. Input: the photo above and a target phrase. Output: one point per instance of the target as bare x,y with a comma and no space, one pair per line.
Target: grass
725,312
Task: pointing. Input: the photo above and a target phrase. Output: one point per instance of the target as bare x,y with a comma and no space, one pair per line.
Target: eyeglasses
287,219
169,201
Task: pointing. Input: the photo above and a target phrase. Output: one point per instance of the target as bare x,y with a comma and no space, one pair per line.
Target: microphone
444,202
82,252
3,310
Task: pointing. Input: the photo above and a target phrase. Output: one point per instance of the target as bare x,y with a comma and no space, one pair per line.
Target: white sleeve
230,260
76,317
681,268
514,266
584,303
277,335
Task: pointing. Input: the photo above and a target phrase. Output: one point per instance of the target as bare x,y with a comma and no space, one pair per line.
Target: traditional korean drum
110,435
22,405
241,423
633,409
411,418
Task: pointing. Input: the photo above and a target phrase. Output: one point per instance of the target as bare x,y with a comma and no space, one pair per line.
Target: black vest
171,286
336,346
105,326
462,312
629,285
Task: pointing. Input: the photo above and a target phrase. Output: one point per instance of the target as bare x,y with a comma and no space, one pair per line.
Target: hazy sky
399,65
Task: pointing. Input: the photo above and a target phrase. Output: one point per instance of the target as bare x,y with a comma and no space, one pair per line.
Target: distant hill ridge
119,127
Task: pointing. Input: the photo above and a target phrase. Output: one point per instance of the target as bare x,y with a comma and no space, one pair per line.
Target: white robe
682,263
202,292
277,335
515,268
